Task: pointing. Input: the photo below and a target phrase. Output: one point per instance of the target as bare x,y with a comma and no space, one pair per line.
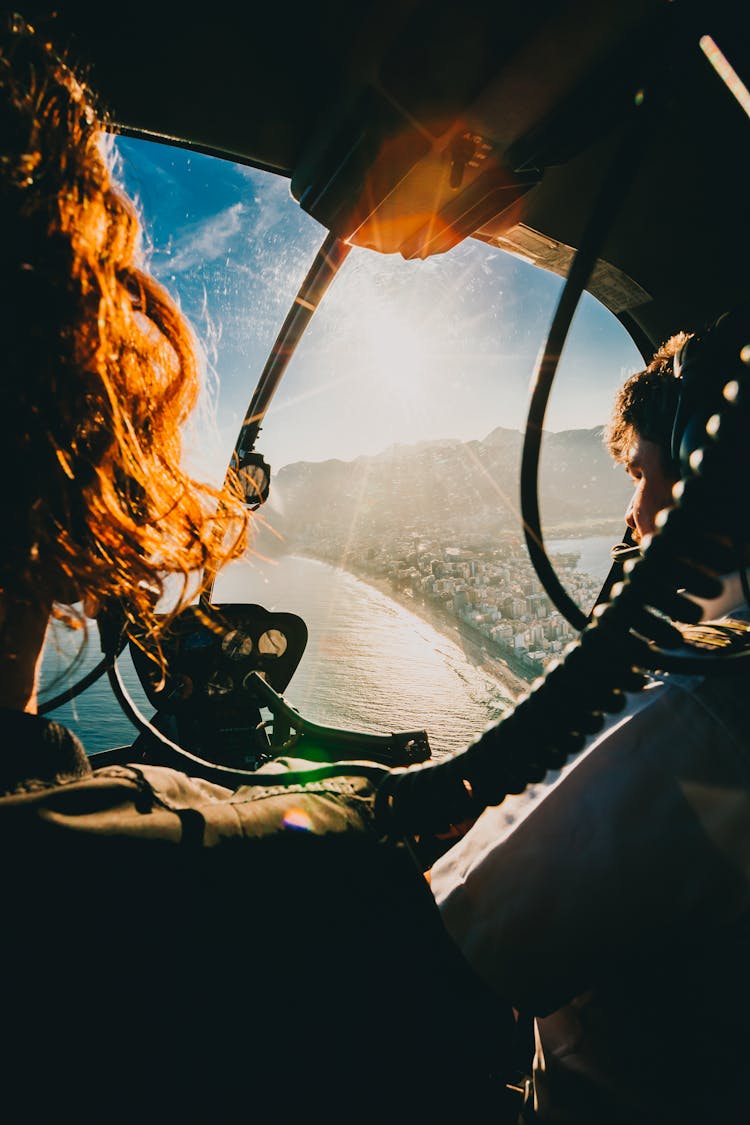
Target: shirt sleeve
637,838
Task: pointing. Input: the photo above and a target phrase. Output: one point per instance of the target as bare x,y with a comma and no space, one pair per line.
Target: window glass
394,439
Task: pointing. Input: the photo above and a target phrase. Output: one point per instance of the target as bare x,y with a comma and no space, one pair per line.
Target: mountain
438,485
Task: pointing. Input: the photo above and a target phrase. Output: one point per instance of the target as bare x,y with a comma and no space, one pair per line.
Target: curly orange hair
99,366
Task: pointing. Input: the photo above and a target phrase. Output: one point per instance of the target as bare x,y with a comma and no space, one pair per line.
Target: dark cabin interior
409,125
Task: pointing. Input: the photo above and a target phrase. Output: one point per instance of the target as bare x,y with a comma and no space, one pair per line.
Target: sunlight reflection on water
370,665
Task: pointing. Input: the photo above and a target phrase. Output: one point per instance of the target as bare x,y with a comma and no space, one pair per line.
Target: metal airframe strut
330,257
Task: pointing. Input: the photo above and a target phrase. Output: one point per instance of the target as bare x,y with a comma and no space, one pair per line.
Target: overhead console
406,125
434,143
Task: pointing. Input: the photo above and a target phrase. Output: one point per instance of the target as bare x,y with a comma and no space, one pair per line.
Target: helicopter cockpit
375,228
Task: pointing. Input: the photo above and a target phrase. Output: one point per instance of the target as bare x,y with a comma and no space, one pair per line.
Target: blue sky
397,352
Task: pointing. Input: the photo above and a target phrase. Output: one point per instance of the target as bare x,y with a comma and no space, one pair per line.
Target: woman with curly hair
100,371
170,949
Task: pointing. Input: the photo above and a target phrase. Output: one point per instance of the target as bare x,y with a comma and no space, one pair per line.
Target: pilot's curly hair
645,405
99,365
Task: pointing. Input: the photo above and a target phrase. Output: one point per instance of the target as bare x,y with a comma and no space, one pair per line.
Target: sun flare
395,354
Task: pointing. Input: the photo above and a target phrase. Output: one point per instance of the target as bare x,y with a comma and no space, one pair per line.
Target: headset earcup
704,365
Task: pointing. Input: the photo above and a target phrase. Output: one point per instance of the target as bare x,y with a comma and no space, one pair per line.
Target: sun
396,356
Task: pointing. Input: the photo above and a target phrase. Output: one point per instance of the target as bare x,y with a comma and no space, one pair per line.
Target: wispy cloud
203,242
271,197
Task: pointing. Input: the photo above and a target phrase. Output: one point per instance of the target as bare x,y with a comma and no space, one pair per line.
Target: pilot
171,949
615,908
639,437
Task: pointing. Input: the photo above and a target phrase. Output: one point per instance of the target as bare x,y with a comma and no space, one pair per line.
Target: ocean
370,664
593,551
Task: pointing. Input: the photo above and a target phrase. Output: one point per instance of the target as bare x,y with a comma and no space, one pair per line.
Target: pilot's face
653,486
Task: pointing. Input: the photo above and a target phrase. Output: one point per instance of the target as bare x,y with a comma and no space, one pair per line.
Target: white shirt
617,909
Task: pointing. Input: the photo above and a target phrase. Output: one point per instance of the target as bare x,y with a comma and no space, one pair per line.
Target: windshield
394,439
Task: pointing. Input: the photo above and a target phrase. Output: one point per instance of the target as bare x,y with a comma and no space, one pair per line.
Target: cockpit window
394,439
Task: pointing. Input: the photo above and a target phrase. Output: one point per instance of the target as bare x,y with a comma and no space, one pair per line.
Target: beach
476,648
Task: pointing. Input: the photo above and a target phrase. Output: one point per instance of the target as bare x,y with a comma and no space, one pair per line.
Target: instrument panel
206,698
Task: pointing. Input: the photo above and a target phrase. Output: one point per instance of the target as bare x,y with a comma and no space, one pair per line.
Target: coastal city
488,589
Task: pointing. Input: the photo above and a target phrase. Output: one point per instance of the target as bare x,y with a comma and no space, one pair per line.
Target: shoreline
475,647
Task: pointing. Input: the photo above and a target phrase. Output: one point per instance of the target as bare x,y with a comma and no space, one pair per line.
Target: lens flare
297,820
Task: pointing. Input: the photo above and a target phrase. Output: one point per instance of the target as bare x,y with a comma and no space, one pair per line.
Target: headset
705,366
